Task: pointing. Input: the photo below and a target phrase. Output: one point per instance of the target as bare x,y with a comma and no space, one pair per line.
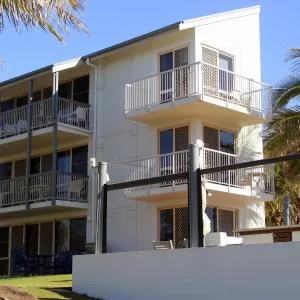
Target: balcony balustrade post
54,134
29,142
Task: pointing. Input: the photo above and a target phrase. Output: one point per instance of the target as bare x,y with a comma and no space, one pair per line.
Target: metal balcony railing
69,187
197,79
255,179
15,121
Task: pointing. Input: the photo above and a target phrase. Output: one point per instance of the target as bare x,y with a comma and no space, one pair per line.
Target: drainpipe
286,210
95,127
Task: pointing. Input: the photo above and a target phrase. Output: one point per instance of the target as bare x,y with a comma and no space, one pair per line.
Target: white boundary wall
269,271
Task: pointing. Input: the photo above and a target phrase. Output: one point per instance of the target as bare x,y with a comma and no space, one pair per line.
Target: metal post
286,210
101,209
195,198
54,134
29,141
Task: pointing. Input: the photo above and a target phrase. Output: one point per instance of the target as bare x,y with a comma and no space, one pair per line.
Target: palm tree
283,138
53,16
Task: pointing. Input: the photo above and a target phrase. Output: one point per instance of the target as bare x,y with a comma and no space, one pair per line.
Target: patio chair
163,245
76,188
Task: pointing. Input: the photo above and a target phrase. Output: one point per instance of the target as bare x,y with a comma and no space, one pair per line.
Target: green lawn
45,287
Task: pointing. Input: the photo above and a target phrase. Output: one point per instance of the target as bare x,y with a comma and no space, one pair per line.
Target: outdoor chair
163,245
22,265
62,262
75,189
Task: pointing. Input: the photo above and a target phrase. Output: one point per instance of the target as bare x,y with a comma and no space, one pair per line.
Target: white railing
72,187
13,122
69,187
12,192
195,79
158,165
255,179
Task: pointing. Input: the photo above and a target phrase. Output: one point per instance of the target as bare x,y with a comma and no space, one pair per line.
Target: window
32,237
77,234
63,161
217,70
220,140
61,235
65,90
35,165
80,160
81,89
4,238
7,105
173,84
5,171
173,225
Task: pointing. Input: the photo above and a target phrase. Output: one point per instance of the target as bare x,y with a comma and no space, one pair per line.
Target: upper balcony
234,184
73,122
198,90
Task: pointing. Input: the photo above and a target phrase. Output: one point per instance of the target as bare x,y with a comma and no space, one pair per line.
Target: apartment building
137,105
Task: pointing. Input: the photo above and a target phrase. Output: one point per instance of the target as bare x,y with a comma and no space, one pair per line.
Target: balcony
198,90
73,119
247,182
71,191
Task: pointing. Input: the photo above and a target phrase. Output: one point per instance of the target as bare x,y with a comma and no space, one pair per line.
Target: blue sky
113,21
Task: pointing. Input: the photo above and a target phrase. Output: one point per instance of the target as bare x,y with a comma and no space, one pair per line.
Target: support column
101,209
29,141
54,134
195,198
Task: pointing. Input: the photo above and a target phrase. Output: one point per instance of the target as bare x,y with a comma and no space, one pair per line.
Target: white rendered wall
234,272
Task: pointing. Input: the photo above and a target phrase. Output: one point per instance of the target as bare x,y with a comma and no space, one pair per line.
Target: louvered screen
181,144
210,71
211,138
181,59
181,227
46,238
16,237
226,221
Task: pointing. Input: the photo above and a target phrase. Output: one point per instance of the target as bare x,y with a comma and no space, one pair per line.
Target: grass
52,287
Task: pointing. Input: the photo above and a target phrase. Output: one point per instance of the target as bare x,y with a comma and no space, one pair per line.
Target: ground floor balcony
36,192
255,182
200,90
73,123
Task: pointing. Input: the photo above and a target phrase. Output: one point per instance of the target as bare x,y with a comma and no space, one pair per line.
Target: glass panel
166,79
46,238
4,236
20,168
227,141
166,141
211,213
225,78
21,101
32,236
166,225
16,237
5,171
47,93
47,163
3,267
61,235
78,234
7,105
35,165
80,160
81,89
65,90
182,227
63,161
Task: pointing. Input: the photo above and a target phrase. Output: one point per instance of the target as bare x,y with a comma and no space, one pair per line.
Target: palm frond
293,56
53,16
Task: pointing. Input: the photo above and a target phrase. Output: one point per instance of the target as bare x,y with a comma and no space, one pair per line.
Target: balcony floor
211,110
219,191
41,208
42,138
